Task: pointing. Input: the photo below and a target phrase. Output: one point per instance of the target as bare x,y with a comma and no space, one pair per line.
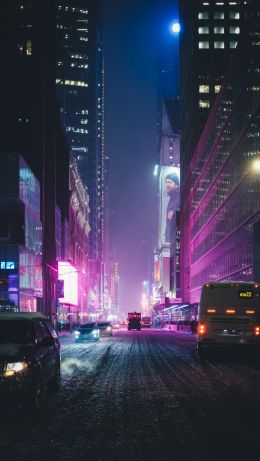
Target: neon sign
69,275
7,265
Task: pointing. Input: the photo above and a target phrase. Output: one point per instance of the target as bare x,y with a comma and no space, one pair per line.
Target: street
141,396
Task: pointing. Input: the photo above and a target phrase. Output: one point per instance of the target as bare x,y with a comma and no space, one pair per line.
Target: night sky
136,37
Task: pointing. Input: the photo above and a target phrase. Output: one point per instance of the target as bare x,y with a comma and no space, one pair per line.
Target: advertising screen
69,275
169,200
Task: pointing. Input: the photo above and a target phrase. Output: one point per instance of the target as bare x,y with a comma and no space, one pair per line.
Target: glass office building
225,179
20,236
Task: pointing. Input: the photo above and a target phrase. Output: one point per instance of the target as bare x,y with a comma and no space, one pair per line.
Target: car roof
21,316
87,323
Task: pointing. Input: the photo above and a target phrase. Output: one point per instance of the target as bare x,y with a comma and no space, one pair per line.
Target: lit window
219,30
203,15
219,15
203,45
234,30
203,88
203,104
29,47
232,3
203,30
219,44
71,82
205,4
233,44
234,15
219,3
217,88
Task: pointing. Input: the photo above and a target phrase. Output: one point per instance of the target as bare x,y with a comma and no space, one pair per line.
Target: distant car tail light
202,329
250,312
257,330
211,311
230,311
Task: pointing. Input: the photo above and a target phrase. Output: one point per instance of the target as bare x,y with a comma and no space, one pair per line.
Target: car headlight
108,328
12,368
76,333
95,332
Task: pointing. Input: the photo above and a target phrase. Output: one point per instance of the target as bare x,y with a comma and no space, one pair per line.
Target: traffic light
60,289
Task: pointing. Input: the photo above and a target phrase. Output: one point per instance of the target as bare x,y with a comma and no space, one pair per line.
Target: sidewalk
182,329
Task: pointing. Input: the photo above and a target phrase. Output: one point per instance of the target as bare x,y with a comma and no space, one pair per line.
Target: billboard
169,200
69,275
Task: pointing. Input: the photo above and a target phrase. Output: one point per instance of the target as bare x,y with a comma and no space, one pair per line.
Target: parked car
87,331
29,358
104,328
115,325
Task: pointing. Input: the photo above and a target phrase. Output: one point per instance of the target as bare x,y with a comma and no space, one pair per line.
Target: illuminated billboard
169,200
69,275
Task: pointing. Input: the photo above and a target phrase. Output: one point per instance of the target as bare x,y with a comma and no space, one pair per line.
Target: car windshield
16,332
103,324
86,325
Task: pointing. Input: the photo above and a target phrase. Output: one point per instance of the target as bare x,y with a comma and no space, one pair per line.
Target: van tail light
202,329
257,330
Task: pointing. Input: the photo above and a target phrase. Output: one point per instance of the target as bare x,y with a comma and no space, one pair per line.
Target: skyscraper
29,117
211,33
80,89
225,202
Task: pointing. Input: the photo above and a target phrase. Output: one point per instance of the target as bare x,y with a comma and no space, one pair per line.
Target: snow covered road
141,396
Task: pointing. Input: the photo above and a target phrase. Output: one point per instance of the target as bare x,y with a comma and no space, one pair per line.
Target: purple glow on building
222,190
69,275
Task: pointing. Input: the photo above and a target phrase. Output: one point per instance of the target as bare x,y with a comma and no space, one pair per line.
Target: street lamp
256,165
175,27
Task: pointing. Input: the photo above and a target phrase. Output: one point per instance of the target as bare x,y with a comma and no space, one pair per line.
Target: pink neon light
69,274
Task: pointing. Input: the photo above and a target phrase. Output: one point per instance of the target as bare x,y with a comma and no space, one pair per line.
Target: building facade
210,33
225,194
165,278
20,236
30,119
80,90
79,233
